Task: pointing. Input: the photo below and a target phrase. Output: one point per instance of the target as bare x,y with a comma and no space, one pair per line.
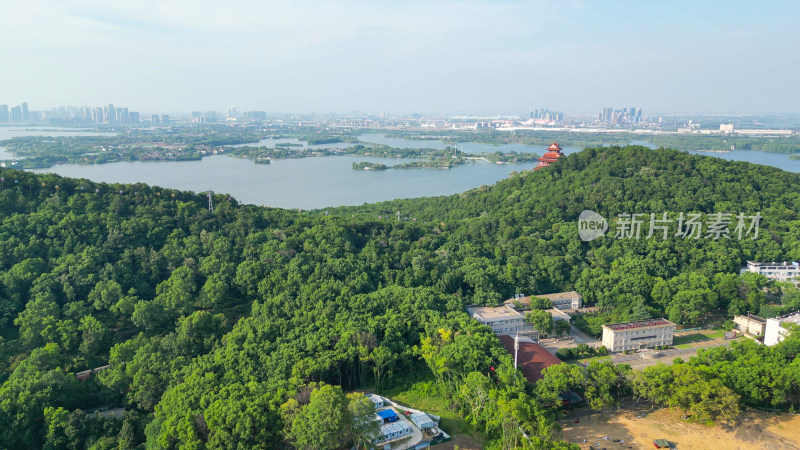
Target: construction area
626,429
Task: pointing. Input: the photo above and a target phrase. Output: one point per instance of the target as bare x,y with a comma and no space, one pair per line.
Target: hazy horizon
437,57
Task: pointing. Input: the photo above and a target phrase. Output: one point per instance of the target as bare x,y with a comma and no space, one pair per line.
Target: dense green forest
248,327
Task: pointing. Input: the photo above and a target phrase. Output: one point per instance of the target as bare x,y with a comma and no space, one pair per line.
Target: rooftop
559,295
494,312
532,358
640,324
526,300
387,413
790,318
779,263
394,427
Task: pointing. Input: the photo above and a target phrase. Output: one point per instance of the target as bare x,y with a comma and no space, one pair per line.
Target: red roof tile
532,358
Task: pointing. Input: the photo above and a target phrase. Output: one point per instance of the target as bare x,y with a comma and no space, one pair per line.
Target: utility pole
516,349
210,201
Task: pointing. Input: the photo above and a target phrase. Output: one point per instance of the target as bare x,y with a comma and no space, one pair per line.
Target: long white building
619,337
780,271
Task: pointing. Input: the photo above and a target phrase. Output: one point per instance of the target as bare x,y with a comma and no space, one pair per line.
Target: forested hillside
228,329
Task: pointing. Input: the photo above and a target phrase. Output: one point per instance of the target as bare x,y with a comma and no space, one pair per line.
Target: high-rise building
4,113
16,114
133,117
25,115
111,114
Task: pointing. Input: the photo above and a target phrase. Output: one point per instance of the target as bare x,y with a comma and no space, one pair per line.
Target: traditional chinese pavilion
550,156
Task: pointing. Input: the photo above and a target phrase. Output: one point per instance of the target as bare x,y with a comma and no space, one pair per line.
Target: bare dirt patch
463,441
754,430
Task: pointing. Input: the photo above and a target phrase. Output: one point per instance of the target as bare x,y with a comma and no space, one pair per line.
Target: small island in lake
364,165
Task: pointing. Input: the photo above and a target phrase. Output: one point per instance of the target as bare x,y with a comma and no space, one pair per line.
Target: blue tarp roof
387,413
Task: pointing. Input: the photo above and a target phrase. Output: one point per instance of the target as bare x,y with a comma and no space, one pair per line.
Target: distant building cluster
15,114
204,117
64,115
161,119
620,116
545,115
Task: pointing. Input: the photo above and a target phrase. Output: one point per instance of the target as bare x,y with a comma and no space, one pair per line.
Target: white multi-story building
775,331
503,320
620,337
780,271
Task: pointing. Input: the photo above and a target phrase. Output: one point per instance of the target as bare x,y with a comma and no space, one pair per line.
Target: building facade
503,320
775,332
392,431
564,300
780,271
750,324
620,337
560,300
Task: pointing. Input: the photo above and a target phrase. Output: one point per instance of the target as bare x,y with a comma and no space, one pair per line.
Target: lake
320,182
307,183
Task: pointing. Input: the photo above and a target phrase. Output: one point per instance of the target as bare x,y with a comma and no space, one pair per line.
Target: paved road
416,435
582,338
637,363
577,337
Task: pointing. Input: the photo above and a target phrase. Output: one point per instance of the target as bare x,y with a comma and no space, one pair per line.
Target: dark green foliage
210,322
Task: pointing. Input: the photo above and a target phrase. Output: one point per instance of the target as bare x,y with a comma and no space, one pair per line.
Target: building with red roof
532,358
550,156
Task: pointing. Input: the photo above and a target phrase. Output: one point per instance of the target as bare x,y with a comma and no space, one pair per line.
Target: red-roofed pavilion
551,155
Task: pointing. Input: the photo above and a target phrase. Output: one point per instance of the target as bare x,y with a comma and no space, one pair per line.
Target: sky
427,56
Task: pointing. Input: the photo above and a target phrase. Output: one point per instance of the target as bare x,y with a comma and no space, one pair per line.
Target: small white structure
377,400
780,271
422,421
392,431
750,324
504,320
619,337
775,332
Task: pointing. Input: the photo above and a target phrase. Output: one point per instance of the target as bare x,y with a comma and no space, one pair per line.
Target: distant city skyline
434,57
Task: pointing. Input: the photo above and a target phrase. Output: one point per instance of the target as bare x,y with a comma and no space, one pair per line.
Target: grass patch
689,339
587,361
416,389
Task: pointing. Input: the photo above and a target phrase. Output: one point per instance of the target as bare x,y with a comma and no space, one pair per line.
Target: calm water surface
296,183
330,181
